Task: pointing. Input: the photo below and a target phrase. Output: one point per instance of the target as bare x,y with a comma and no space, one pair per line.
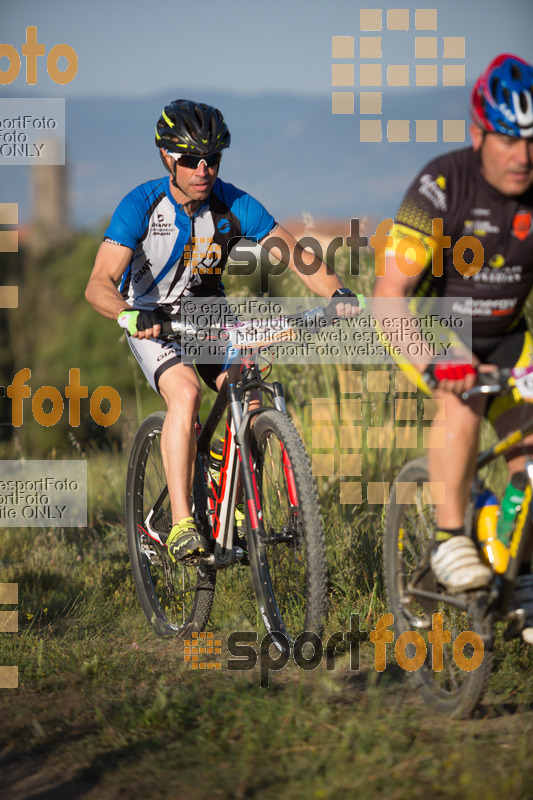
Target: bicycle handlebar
259,332
494,383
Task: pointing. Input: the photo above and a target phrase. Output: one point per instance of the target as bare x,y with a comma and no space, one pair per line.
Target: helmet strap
172,171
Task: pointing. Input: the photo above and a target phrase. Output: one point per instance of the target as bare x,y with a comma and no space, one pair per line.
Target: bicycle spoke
175,598
409,533
289,570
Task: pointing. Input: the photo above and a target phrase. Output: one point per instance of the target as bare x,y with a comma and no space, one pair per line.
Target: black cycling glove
133,320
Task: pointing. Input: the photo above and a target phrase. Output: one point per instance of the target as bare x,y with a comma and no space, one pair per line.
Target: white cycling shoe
522,597
457,565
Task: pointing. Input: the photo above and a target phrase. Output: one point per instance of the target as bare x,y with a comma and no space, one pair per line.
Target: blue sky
136,48
175,48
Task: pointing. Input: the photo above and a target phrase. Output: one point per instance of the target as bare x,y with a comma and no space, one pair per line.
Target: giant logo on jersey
160,227
143,270
522,224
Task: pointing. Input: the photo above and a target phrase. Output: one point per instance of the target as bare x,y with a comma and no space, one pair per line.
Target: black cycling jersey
452,188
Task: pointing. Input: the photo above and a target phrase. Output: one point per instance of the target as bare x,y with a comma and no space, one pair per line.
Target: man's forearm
323,282
105,298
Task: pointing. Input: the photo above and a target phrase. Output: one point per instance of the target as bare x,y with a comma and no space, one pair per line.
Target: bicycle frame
523,525
500,594
237,459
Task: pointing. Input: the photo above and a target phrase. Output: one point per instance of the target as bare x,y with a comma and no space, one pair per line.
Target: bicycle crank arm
222,557
446,598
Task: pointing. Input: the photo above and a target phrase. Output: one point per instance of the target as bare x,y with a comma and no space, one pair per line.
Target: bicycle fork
243,432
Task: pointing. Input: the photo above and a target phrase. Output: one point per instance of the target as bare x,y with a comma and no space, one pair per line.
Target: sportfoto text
272,658
17,391
34,504
31,51
410,254
28,495
13,139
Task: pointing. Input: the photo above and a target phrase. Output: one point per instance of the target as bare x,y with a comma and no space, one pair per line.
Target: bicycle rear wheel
289,572
176,598
408,536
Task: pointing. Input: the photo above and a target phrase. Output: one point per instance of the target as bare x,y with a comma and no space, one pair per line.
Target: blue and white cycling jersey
175,255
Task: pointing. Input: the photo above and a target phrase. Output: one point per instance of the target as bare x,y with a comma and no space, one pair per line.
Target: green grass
106,710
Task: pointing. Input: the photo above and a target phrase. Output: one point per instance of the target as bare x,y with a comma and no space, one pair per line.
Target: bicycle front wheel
176,598
449,685
289,571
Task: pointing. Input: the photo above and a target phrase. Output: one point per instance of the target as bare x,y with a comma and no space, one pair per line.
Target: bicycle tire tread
475,683
204,595
283,428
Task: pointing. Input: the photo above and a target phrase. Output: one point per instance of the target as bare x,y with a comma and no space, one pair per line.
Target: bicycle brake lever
477,390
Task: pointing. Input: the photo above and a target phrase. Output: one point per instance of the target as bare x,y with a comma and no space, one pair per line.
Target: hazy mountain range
290,152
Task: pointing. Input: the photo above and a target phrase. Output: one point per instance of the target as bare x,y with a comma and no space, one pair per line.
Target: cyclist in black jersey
148,247
486,192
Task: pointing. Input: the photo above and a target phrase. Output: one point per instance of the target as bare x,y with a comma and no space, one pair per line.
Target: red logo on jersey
522,224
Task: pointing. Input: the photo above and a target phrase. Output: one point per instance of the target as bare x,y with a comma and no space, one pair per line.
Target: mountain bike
415,596
264,458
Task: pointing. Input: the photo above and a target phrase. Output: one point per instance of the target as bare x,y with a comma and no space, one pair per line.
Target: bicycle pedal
194,560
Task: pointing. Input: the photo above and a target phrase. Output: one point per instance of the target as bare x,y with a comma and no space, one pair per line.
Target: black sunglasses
193,162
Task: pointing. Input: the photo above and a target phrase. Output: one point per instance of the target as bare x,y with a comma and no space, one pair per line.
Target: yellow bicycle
455,686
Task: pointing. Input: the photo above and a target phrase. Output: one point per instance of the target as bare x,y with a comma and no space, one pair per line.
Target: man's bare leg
454,464
180,388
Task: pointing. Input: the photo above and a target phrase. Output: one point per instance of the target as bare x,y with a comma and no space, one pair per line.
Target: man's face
195,183
506,161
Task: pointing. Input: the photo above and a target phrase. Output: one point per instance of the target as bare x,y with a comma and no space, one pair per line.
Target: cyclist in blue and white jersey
148,247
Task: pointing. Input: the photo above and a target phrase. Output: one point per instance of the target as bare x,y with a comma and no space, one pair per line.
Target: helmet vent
199,117
192,127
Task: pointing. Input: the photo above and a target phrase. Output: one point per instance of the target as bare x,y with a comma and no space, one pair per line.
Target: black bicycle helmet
188,127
